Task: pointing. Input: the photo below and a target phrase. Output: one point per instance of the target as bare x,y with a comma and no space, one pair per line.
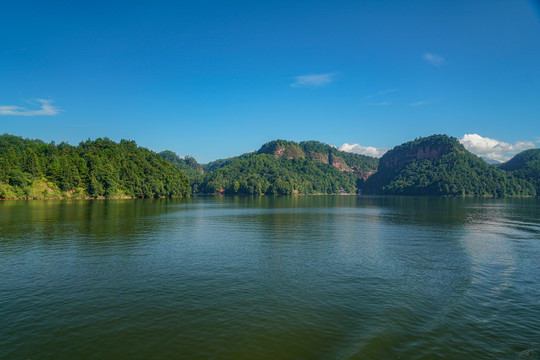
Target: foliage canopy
99,168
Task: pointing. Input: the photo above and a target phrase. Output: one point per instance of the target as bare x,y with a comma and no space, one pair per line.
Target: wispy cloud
493,149
364,150
382,103
421,102
313,80
433,59
382,92
46,109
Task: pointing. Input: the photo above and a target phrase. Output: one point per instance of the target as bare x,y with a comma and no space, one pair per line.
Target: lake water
309,277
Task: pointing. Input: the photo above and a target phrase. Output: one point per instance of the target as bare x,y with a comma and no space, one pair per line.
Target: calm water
324,277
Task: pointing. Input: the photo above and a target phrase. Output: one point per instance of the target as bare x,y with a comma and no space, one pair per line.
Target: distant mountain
287,167
440,165
491,161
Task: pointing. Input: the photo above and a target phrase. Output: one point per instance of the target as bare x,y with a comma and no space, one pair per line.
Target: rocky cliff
440,165
361,166
432,147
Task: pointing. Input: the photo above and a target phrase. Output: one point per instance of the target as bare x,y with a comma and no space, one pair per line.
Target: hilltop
440,165
287,167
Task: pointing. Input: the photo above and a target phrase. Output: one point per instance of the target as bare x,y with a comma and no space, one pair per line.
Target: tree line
100,168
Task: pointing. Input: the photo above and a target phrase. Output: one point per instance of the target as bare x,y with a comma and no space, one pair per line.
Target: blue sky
214,79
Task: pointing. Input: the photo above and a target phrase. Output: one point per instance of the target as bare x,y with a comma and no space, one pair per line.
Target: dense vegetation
187,164
525,165
440,165
100,168
436,165
286,167
218,164
266,174
320,152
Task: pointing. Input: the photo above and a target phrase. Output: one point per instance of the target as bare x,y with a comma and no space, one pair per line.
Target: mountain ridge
287,167
440,165
436,165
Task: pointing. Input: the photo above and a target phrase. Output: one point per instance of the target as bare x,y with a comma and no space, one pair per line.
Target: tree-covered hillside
187,164
286,167
436,165
99,168
320,152
266,174
217,164
525,165
440,165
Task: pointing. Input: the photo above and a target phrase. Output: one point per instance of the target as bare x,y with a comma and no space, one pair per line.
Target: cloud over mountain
493,149
363,150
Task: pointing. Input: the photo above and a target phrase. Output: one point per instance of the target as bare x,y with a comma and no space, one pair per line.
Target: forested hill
187,164
317,151
436,165
525,165
101,168
440,165
287,167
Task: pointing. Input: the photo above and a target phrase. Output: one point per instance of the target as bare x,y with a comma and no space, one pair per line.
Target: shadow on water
56,223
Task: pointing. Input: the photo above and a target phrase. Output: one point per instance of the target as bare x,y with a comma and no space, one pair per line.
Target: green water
323,277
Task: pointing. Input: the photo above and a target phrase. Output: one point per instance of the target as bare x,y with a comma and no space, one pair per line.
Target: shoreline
94,198
291,195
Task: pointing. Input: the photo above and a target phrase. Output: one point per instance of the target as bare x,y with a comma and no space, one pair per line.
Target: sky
214,79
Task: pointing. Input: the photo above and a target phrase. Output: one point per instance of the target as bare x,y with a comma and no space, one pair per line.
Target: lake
307,277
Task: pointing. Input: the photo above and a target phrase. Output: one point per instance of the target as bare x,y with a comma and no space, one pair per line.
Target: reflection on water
318,277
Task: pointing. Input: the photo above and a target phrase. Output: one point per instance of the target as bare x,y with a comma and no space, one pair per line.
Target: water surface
321,277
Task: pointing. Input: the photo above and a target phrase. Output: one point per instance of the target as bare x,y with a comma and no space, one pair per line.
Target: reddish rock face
319,157
292,151
391,161
365,175
289,152
279,152
427,152
339,164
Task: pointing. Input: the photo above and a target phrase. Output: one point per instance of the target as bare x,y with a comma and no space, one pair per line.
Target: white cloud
433,59
420,103
313,80
493,149
382,103
46,109
382,92
363,150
